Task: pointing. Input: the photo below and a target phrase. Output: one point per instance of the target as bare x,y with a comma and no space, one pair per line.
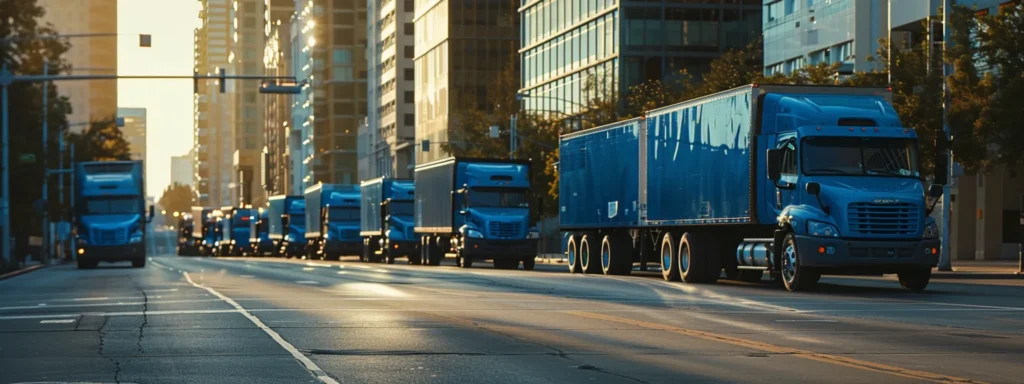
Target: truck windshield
498,197
400,208
343,213
859,156
112,206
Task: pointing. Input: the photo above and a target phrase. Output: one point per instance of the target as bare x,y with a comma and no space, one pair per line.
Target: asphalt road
201,320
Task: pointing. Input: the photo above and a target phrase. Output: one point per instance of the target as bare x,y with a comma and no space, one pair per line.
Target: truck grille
505,230
883,219
109,236
881,252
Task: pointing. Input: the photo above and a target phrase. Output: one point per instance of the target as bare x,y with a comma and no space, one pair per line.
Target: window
409,74
409,29
788,158
410,119
410,52
409,97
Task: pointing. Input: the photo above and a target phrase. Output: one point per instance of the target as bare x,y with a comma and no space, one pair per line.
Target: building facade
277,108
576,51
90,100
799,33
392,148
460,48
303,39
181,169
246,57
134,131
213,112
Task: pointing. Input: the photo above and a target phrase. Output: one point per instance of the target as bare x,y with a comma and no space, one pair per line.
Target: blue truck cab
794,181
332,221
476,208
110,213
234,227
287,216
260,243
186,244
387,222
205,230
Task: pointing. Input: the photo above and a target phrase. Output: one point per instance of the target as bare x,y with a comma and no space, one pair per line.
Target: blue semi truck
186,244
332,221
476,208
205,230
287,217
387,221
234,227
260,243
110,213
796,181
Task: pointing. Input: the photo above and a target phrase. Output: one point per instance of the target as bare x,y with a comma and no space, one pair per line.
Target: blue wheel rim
585,255
684,260
572,256
666,258
605,257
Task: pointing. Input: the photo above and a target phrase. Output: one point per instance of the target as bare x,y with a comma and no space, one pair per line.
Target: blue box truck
476,208
110,213
234,226
796,181
186,244
387,221
205,230
259,234
287,217
332,221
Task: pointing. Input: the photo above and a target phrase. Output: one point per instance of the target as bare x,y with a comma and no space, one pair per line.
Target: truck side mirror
774,163
935,191
813,188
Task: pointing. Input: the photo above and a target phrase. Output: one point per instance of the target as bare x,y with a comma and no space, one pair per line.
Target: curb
978,275
22,271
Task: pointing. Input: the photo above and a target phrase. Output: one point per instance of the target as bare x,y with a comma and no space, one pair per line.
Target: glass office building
616,44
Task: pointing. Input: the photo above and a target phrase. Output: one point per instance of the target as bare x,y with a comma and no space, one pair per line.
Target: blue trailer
477,209
287,217
332,221
387,221
260,243
235,229
110,213
796,181
205,230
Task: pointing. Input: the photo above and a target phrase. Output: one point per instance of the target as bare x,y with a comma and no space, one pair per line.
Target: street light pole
5,192
945,263
45,247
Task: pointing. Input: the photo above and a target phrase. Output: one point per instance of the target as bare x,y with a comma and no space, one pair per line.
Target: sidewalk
977,269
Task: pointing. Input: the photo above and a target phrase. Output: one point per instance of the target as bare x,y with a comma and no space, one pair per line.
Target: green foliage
176,198
1000,46
102,141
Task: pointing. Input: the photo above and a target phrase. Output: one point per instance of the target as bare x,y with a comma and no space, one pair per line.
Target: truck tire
588,249
433,252
794,276
669,258
616,255
139,263
915,280
572,254
529,262
698,258
371,252
461,259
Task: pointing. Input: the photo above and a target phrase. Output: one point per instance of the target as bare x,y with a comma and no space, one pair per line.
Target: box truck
332,221
387,221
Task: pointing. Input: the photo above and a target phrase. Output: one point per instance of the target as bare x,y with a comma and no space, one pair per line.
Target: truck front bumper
351,247
499,249
865,256
403,247
124,252
295,249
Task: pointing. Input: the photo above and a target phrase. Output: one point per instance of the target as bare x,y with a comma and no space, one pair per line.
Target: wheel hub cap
789,262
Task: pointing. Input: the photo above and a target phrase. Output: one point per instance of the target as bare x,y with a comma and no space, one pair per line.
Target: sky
168,103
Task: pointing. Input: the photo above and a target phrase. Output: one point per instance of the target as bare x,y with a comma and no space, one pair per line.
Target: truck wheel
572,253
698,259
139,263
389,258
529,262
915,280
415,259
463,260
669,258
589,248
616,255
794,276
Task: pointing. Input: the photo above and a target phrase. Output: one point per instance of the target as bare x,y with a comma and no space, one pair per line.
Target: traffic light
223,80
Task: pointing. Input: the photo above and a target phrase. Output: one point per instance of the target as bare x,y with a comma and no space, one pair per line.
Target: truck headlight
136,238
931,231
821,229
474,234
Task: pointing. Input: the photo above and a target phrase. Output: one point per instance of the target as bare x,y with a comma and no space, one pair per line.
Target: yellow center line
771,348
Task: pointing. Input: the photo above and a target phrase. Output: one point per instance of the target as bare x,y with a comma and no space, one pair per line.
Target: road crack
102,350
145,317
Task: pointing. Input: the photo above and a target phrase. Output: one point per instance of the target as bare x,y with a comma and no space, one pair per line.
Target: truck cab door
785,187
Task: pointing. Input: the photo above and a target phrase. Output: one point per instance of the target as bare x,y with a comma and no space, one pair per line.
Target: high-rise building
799,33
90,100
460,48
277,108
393,104
615,45
303,37
181,169
329,40
370,159
246,57
213,111
134,131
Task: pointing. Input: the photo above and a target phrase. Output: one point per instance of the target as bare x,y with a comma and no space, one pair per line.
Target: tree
1001,49
176,198
102,141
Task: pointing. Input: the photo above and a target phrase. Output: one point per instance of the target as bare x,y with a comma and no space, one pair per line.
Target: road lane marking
247,276
91,299
771,348
302,359
307,282
805,321
60,321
